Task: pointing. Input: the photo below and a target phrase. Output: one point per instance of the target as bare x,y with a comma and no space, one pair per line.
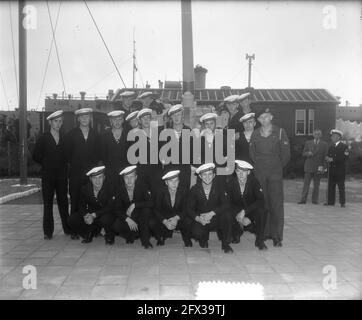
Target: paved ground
317,239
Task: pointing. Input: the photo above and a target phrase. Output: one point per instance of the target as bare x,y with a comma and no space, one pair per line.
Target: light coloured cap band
144,112
243,165
128,170
95,171
55,115
132,115
205,167
83,111
171,175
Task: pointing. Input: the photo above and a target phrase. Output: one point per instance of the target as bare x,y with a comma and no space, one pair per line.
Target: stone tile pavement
317,239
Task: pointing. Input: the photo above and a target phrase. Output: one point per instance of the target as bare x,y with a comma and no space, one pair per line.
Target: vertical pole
252,57
22,95
134,60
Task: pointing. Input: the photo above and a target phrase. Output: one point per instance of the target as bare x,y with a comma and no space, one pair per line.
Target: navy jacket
340,155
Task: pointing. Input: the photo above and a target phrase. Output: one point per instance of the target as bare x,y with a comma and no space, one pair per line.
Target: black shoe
47,237
250,228
236,240
98,233
109,240
74,236
161,242
277,243
226,248
204,244
188,243
302,202
343,205
261,245
129,240
148,245
88,238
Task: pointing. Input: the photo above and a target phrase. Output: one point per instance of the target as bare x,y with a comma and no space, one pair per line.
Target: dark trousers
59,186
159,230
143,218
336,179
78,226
76,181
151,174
272,186
222,223
308,176
257,218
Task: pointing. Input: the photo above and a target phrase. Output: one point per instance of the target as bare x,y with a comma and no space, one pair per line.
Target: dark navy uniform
269,155
101,205
218,202
82,156
337,172
142,213
165,210
242,147
251,201
51,156
114,155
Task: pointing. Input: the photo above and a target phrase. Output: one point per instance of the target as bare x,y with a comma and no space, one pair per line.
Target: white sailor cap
145,95
95,171
243,96
128,170
205,167
337,131
144,112
208,116
174,109
171,175
127,94
83,111
115,113
232,98
243,165
132,115
247,116
55,115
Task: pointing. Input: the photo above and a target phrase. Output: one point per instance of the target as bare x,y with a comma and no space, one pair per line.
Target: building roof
257,95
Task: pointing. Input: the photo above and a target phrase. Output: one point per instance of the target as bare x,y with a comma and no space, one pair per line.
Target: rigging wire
6,97
13,46
48,59
100,34
56,47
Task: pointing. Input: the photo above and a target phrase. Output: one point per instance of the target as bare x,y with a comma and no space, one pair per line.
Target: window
300,122
310,121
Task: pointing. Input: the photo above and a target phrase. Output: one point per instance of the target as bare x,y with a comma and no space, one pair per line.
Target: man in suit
315,152
95,208
246,203
49,152
170,209
133,208
207,206
337,156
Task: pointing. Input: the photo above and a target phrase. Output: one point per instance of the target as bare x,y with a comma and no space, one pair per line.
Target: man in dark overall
133,208
315,152
242,144
170,209
246,204
337,156
208,206
83,154
49,152
114,147
176,114
270,152
95,209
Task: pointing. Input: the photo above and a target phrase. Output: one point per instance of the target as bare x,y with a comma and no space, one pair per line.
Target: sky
297,44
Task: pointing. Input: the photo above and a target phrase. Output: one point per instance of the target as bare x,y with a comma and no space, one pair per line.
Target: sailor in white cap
207,206
49,152
244,102
133,120
95,208
83,153
114,146
133,208
127,98
149,101
243,143
337,156
231,105
176,122
170,208
246,204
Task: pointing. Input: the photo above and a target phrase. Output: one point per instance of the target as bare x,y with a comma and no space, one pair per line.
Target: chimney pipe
200,77
82,95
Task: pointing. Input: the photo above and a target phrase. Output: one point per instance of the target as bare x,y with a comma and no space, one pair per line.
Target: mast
134,60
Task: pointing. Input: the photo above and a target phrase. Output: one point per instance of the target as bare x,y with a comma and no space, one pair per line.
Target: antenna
134,68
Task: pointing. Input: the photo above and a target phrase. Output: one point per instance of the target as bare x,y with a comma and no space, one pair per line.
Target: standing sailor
270,152
114,147
49,152
337,156
83,154
207,206
246,204
133,208
127,98
170,209
242,144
